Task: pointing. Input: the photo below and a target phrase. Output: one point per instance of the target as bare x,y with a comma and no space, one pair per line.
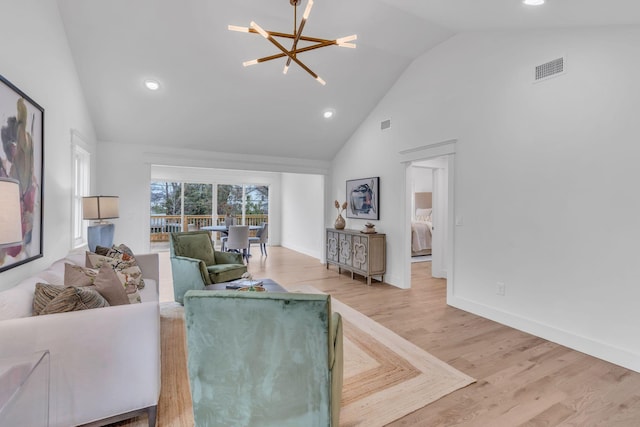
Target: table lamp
100,208
10,213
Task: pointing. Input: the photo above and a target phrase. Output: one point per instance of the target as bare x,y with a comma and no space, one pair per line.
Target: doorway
429,202
440,158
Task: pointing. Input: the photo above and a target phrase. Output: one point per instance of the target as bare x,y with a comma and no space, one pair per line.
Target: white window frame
81,186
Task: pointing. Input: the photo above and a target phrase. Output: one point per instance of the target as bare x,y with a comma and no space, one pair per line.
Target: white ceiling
209,101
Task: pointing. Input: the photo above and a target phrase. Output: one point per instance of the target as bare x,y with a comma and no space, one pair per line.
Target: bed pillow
423,215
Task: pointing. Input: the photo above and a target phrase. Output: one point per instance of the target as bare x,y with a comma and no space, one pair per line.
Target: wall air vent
550,69
386,124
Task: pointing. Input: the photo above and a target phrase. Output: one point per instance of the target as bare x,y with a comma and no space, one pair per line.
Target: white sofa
104,362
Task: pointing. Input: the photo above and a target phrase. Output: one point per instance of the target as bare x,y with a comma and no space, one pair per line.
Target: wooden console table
360,253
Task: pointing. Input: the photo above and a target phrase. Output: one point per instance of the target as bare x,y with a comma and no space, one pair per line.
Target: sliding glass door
182,206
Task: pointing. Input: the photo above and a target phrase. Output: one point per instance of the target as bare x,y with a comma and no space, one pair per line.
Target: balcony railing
162,225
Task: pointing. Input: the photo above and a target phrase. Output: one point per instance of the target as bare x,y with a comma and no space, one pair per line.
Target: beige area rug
385,376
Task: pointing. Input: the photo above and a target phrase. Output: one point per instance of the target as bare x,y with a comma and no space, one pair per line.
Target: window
81,169
249,204
182,206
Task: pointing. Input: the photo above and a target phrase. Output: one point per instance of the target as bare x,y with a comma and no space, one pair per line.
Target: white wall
36,58
536,217
303,213
422,179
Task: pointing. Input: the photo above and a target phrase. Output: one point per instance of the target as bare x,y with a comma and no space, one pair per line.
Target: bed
421,225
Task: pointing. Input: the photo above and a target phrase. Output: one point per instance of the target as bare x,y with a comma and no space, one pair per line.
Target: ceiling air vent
550,69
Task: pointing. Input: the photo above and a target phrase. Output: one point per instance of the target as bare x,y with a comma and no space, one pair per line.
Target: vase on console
340,223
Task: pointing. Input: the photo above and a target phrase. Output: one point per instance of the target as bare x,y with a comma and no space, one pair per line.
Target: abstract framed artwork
22,159
363,196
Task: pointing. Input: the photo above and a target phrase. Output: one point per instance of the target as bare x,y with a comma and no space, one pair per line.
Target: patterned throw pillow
49,299
122,260
74,299
129,276
43,294
111,287
102,250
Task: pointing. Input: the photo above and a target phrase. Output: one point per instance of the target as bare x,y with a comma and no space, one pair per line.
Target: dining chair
262,235
238,240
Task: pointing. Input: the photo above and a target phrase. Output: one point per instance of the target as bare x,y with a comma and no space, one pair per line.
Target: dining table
225,229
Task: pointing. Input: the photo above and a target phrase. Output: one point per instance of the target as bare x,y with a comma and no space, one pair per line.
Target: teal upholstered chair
258,359
195,264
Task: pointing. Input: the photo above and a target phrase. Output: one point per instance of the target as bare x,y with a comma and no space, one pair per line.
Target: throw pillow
74,275
124,248
75,299
113,289
101,250
125,265
44,294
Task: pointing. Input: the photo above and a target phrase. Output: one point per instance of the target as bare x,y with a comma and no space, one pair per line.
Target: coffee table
268,284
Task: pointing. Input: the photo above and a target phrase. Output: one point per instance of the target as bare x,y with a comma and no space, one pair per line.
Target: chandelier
292,54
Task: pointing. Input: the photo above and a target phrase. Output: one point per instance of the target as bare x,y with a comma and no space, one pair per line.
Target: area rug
385,376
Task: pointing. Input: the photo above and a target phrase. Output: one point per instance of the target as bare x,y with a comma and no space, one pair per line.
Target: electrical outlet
500,289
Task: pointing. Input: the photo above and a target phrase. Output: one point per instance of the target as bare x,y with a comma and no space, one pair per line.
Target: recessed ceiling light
327,114
533,2
152,84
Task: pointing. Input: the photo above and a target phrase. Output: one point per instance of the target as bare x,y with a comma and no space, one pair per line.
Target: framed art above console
22,160
363,196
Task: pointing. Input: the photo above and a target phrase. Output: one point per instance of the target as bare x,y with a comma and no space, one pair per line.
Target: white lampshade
10,214
100,207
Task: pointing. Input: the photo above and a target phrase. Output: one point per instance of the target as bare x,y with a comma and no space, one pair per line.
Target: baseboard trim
303,250
601,350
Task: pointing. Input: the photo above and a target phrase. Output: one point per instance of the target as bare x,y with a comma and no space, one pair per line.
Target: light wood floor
521,380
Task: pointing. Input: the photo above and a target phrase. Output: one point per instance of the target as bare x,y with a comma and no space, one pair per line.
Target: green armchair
195,264
259,359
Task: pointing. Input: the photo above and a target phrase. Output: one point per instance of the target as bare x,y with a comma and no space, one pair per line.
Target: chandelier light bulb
343,41
252,62
236,28
259,29
307,10
533,2
286,68
322,82
347,39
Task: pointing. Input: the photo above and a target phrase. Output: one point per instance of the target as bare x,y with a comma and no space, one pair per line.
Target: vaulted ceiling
207,100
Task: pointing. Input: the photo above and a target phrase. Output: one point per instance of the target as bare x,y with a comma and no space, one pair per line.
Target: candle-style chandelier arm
267,36
297,51
298,32
283,35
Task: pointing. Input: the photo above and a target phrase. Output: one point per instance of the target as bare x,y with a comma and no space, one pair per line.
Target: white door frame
425,152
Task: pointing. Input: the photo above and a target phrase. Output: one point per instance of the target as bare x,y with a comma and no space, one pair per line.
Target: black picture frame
22,158
363,197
